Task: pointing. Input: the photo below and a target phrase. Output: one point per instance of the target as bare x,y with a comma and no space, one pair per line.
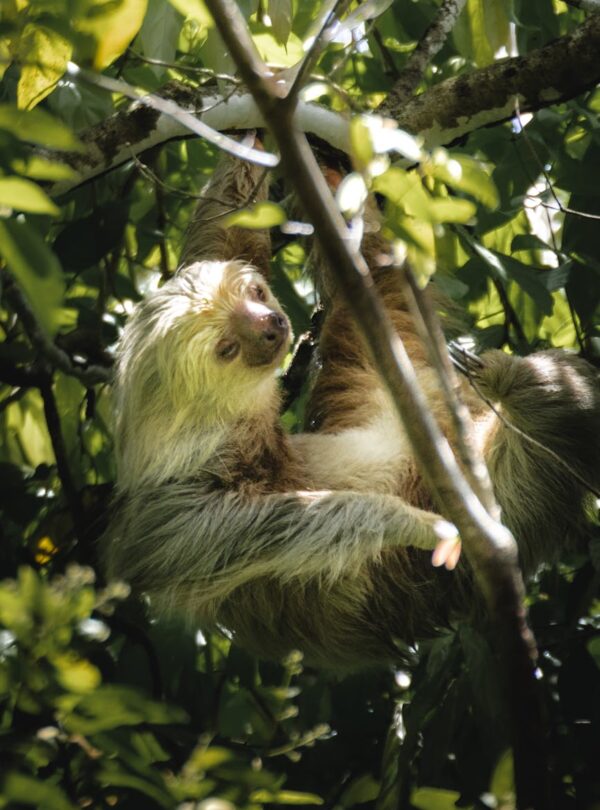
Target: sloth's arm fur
178,543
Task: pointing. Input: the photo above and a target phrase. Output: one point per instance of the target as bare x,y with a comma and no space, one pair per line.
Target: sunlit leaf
112,706
451,209
40,169
36,268
285,797
261,215
360,143
113,25
366,11
37,126
463,173
196,9
44,54
434,799
503,780
76,675
21,789
24,195
276,54
281,14
471,35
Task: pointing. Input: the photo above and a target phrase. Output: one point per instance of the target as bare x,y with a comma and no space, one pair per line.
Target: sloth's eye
227,349
258,292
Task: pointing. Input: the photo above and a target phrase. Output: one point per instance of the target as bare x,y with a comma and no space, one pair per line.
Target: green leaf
76,675
503,780
261,215
113,706
36,269
434,799
83,242
593,647
44,54
24,195
113,26
274,53
41,169
37,126
159,33
464,174
451,209
281,14
505,268
528,241
361,790
476,43
285,797
195,9
114,776
26,790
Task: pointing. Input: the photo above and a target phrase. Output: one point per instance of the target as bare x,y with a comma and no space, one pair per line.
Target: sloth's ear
234,185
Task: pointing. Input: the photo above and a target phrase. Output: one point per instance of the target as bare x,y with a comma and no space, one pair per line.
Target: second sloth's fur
321,541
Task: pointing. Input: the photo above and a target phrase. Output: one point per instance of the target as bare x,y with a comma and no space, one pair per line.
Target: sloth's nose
275,327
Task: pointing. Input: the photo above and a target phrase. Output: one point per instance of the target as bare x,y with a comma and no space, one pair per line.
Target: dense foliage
99,705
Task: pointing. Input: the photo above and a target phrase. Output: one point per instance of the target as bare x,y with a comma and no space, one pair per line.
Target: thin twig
386,55
60,454
328,19
183,68
432,337
509,312
173,110
14,396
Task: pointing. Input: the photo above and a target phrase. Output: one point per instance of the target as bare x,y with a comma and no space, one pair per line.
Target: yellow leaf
75,674
23,195
113,28
43,55
44,550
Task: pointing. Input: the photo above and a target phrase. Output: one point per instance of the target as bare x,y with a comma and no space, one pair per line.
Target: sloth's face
213,336
235,316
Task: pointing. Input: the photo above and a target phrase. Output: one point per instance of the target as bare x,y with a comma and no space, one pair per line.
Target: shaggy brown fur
301,542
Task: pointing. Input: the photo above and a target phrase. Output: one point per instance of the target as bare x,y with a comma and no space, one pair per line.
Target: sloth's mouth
268,351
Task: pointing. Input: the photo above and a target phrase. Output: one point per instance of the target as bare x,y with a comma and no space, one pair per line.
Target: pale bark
561,70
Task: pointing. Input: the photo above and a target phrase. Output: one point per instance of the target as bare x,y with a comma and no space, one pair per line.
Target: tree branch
564,68
60,454
490,546
561,70
430,44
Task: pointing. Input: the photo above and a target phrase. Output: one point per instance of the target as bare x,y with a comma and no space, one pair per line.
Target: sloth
321,541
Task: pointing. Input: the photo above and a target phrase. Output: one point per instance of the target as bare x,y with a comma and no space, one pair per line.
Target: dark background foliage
101,706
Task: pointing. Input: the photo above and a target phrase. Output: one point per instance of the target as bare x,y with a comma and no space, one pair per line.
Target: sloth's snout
275,328
262,332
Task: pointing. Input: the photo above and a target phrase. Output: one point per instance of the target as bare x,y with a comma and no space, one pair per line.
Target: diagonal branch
490,546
